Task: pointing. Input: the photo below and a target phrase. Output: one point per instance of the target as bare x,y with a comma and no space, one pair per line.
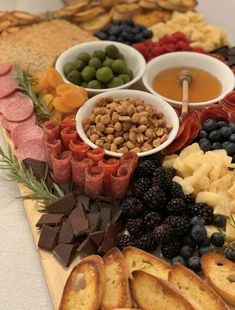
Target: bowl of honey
211,79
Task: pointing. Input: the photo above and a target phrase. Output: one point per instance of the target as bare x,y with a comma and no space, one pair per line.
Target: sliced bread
194,287
220,273
137,259
151,293
116,288
84,287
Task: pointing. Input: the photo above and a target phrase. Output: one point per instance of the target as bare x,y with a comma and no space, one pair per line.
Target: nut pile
127,124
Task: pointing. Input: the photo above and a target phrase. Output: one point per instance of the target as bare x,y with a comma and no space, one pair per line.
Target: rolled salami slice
19,109
79,168
9,126
51,129
110,167
5,68
79,148
53,147
7,85
217,112
68,122
228,105
130,158
94,181
68,134
120,182
26,132
34,149
61,167
96,155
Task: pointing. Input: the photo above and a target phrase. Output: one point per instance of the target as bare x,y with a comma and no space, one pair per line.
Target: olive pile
124,31
104,69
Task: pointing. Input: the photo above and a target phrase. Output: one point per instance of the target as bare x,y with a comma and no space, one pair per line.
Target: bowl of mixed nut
127,120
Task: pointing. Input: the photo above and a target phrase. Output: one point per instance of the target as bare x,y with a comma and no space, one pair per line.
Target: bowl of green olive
101,66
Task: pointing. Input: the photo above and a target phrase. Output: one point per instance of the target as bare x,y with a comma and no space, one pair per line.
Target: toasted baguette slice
139,260
151,293
194,287
84,287
220,273
116,288
177,5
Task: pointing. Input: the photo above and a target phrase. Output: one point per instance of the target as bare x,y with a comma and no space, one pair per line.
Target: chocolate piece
63,205
231,60
93,220
231,51
109,240
87,247
64,252
78,222
66,233
80,210
94,208
85,201
105,214
118,220
38,167
48,237
50,220
97,237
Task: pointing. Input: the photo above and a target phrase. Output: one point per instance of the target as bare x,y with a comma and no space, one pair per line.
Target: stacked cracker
97,283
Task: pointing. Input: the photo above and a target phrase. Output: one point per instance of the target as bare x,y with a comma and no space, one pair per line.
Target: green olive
130,73
107,63
84,84
94,84
115,82
80,65
119,66
125,77
112,51
95,62
68,67
85,57
99,54
88,73
74,77
104,74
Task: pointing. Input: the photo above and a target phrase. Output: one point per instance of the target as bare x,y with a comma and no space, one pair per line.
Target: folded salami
68,134
79,148
94,181
96,155
130,158
51,129
79,168
53,148
61,167
120,182
110,167
228,105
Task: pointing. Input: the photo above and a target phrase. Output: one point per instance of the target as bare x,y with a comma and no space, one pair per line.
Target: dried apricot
73,98
64,87
54,78
61,106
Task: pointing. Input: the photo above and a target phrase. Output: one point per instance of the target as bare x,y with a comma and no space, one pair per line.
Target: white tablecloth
22,283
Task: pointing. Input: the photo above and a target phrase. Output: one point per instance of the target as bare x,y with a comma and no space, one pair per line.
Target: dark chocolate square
50,219
48,237
78,222
63,205
66,233
64,252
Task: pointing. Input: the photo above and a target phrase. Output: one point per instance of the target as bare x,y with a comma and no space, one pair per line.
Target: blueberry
226,132
209,125
147,34
232,138
194,263
232,126
221,124
115,30
106,28
199,233
134,30
230,148
219,221
124,35
205,242
186,251
141,28
205,249
178,259
225,144
197,220
214,136
101,35
188,240
217,239
217,146
230,254
205,144
139,37
129,21
112,38
202,134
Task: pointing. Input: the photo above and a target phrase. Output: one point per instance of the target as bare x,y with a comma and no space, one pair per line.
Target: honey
204,86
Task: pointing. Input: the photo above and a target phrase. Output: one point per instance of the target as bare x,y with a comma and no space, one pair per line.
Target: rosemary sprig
25,83
19,173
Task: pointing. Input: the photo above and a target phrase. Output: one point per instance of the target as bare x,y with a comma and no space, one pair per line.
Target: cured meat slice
68,122
130,158
78,148
7,85
51,129
19,109
9,126
53,147
79,168
4,102
96,155
215,111
61,167
228,105
110,167
120,182
68,134
5,68
94,181
34,149
26,132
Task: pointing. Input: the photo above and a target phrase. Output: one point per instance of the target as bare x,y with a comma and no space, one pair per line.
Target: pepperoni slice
26,132
79,148
61,167
79,171
5,68
7,85
51,129
96,155
68,122
120,182
68,134
216,112
53,147
110,167
19,109
9,126
34,149
94,181
130,158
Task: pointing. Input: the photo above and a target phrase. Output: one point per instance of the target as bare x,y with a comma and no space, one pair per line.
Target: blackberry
176,206
151,220
155,198
125,240
170,249
156,159
189,199
171,172
132,207
176,190
179,224
145,169
161,178
162,233
141,186
202,210
134,225
146,242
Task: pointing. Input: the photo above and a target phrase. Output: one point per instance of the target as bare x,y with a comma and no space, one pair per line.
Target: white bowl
195,60
156,101
135,61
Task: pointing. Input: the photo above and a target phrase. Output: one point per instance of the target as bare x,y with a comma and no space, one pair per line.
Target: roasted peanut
126,126
100,127
136,150
105,119
126,136
123,149
156,142
124,118
109,138
108,99
99,142
130,145
94,137
143,120
118,140
141,128
135,118
113,147
106,146
132,137
130,110
118,126
149,133
140,138
109,130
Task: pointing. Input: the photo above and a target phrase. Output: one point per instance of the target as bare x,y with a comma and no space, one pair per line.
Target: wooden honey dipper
185,78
